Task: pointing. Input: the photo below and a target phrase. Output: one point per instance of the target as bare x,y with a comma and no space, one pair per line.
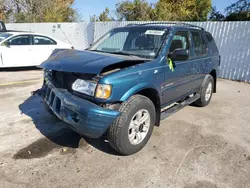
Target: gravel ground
195,148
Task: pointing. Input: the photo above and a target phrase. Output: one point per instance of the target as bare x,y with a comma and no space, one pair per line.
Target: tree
60,11
5,10
182,10
103,17
137,10
216,15
239,6
240,16
165,10
42,11
239,11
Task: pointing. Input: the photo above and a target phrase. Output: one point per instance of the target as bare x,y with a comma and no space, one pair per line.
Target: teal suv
131,79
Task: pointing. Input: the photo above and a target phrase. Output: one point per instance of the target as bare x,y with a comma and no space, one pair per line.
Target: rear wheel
206,92
132,130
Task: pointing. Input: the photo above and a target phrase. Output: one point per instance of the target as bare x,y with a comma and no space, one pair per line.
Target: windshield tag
154,32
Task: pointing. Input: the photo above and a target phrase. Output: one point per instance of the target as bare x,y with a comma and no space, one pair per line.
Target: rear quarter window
200,46
212,44
42,40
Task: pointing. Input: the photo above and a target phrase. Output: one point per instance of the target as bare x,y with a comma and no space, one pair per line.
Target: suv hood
83,61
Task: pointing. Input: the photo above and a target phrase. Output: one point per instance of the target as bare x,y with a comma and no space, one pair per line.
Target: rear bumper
82,116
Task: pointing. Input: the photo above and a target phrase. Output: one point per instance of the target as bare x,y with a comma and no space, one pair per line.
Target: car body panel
131,80
14,54
79,61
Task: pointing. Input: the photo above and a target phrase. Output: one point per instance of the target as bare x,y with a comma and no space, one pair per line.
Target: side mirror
6,43
179,54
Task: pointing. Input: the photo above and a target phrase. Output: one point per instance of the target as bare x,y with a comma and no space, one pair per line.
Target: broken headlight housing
47,74
84,86
101,91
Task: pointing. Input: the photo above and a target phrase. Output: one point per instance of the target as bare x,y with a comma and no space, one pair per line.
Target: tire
122,135
208,88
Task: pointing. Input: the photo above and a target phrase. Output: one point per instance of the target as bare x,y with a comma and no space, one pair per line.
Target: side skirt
175,108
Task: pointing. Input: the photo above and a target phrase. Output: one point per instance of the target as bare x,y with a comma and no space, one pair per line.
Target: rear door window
211,43
42,40
200,46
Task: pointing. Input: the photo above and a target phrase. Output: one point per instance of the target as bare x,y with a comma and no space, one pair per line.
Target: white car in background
20,49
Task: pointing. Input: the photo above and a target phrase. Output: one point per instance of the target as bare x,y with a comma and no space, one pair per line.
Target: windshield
137,41
4,36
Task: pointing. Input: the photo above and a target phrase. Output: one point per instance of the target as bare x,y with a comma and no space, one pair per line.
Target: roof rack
132,25
171,23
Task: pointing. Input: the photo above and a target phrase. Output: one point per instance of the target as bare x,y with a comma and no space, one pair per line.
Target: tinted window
42,40
212,44
200,47
20,40
180,40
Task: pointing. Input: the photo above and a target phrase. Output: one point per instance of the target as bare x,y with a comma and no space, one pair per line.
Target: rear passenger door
200,58
178,83
43,48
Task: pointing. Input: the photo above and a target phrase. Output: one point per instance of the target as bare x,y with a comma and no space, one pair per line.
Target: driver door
179,82
18,52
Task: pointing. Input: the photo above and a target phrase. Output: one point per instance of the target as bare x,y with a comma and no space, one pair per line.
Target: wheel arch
154,96
150,90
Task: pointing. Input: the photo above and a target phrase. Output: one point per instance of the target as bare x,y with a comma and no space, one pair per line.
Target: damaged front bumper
82,116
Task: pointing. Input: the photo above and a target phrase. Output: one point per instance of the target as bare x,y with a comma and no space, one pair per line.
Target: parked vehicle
130,79
20,49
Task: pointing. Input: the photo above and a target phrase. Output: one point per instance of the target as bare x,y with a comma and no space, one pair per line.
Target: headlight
103,91
47,73
84,86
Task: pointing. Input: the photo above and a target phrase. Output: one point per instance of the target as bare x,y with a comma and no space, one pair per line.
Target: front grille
66,79
63,79
52,100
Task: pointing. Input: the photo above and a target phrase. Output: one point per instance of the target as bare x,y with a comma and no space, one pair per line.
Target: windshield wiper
97,51
122,53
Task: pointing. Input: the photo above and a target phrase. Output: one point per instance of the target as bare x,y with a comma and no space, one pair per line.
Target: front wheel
132,130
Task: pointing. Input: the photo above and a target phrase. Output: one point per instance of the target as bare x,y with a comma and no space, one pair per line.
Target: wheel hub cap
139,126
208,91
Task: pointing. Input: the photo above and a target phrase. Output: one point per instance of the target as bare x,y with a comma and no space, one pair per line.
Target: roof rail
174,23
132,25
